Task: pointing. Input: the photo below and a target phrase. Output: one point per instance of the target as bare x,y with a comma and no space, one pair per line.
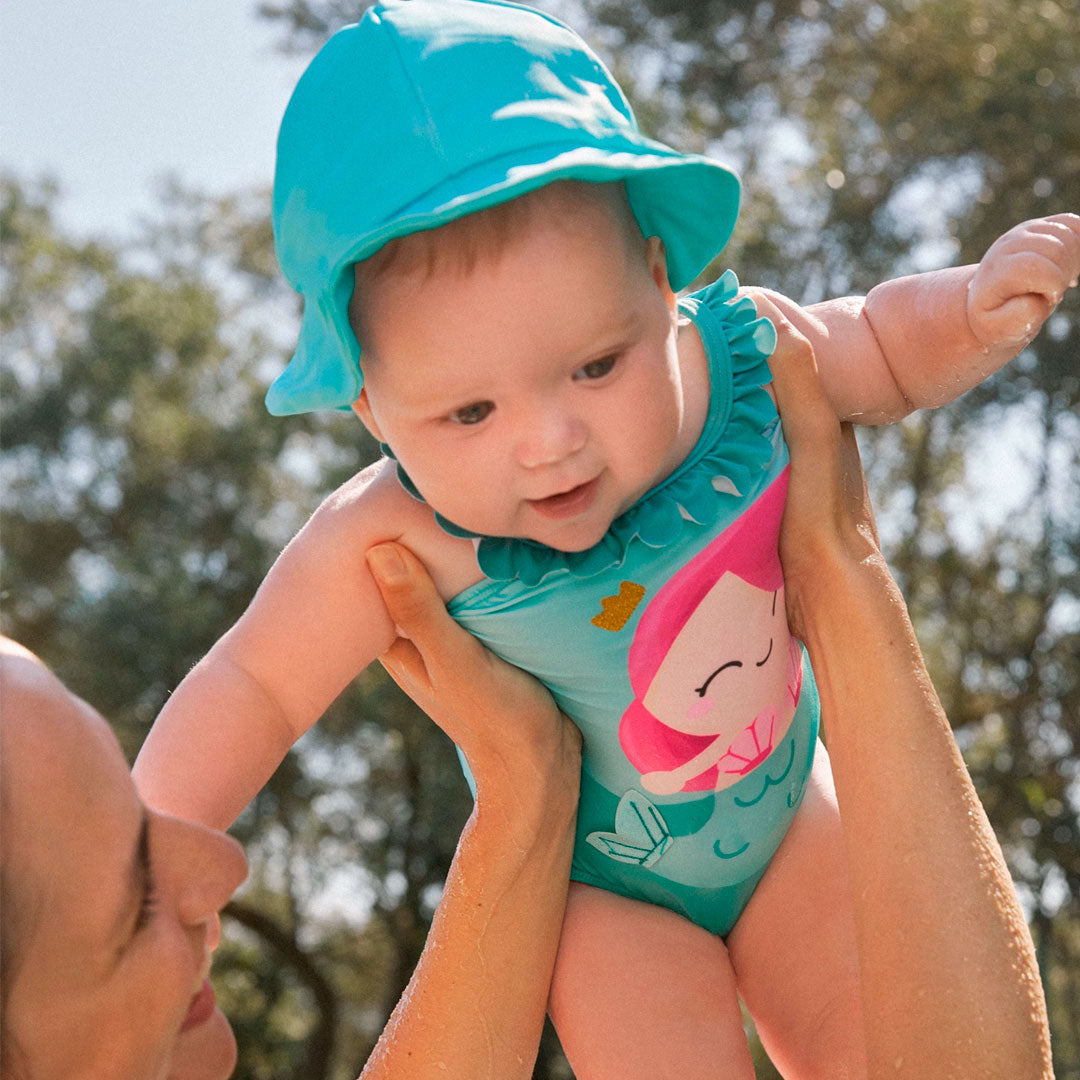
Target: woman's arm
475,1007
950,983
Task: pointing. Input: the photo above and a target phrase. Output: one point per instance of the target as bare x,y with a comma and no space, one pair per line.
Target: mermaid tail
641,835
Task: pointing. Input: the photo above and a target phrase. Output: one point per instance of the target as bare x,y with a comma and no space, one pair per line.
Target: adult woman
110,910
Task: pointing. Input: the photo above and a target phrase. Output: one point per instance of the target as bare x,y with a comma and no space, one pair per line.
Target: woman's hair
461,244
749,549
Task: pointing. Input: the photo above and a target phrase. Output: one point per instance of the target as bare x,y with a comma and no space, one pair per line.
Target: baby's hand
1022,278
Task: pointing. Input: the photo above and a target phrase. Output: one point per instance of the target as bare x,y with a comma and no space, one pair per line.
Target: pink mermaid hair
749,549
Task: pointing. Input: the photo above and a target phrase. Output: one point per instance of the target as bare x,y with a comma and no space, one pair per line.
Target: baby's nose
549,437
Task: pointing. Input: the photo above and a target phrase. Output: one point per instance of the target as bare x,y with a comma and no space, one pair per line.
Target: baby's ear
656,260
362,407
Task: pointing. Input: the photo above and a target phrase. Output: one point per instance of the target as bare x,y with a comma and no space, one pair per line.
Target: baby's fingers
1036,258
1057,238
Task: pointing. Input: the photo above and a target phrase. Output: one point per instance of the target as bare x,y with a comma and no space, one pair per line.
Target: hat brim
690,202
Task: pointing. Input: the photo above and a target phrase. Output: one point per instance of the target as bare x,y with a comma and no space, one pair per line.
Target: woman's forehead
67,789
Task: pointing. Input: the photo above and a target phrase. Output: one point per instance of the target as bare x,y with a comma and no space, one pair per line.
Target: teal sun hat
427,110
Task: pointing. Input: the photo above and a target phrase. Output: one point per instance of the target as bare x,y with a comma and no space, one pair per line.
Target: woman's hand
475,1005
505,722
828,524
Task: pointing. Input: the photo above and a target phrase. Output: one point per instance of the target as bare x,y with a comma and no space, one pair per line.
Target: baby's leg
641,992
793,948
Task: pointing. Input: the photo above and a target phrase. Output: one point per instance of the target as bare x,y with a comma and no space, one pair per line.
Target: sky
109,96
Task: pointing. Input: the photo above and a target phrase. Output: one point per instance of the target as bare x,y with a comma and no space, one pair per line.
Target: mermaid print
715,672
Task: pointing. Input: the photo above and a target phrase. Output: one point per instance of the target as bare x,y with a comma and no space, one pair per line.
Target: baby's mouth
565,504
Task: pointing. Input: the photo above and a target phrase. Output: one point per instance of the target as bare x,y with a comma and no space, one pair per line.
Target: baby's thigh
793,948
639,991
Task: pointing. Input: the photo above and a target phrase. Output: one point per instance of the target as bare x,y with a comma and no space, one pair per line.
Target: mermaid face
727,676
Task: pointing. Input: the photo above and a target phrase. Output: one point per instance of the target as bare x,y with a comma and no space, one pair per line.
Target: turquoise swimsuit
572,619
663,641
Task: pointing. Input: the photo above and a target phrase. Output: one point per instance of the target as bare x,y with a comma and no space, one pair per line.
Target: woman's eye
147,907
597,369
472,414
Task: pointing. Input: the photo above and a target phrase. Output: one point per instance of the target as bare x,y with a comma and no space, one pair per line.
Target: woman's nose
207,868
549,436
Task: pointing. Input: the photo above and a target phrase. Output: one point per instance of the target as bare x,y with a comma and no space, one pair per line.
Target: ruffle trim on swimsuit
735,446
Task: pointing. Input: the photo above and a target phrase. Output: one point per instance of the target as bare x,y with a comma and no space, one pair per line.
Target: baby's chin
568,539
571,547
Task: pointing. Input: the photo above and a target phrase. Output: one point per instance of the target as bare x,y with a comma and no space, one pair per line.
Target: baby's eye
596,369
472,414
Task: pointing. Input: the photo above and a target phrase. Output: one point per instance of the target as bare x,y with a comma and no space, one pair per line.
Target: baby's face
539,394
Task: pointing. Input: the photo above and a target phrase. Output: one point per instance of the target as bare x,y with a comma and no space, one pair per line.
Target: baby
593,471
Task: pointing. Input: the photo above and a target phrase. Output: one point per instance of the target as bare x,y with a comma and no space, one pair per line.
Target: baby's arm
920,341
315,623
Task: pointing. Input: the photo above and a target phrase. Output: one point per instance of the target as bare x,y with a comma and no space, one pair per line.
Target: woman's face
116,908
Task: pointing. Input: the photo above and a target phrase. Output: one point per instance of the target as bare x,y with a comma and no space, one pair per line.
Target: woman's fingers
810,427
418,612
405,665
827,510
856,496
469,692
809,421
407,589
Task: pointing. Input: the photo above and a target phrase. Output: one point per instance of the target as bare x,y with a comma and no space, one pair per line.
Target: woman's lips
201,1008
567,503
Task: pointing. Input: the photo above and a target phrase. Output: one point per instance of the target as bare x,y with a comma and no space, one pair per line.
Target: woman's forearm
950,983
475,1007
